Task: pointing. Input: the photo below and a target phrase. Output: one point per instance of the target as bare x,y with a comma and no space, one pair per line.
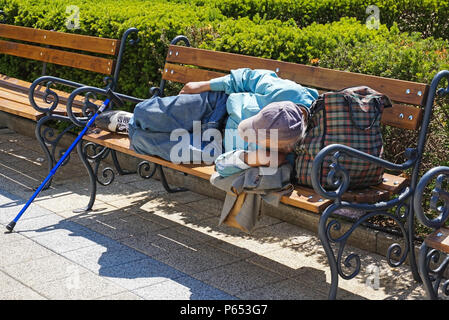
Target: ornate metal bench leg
412,258
48,141
325,241
433,214
352,261
99,154
118,166
93,179
165,183
41,138
432,277
146,166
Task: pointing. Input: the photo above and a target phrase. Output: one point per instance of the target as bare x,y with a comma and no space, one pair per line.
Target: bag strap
315,107
378,113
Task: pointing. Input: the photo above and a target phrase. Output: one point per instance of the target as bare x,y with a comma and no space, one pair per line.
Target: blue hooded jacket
251,90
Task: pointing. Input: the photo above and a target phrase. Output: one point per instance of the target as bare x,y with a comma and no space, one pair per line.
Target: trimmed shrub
157,25
429,17
402,56
346,44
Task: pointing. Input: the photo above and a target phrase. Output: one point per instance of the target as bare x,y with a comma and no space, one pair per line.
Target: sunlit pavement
140,242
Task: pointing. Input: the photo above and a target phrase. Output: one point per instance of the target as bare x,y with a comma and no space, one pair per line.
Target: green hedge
346,44
408,57
157,25
430,17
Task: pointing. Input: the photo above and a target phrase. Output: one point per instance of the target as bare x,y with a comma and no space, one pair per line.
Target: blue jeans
154,120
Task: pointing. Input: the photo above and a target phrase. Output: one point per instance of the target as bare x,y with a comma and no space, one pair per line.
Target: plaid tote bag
351,117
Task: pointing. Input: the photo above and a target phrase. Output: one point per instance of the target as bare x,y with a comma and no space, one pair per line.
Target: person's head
278,126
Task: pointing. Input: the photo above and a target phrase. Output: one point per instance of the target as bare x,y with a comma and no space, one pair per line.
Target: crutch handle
114,98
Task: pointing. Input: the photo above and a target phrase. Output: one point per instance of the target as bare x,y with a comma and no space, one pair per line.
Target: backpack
351,117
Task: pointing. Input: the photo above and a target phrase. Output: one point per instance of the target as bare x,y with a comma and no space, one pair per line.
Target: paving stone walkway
141,242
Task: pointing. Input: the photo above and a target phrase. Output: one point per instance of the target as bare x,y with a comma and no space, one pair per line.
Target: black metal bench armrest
439,200
338,177
49,96
89,108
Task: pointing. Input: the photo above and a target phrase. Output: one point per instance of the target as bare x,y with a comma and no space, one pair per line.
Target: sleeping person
189,127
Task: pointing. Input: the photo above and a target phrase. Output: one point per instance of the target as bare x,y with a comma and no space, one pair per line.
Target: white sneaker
114,121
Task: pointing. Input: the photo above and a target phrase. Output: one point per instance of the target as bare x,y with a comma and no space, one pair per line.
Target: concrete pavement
141,242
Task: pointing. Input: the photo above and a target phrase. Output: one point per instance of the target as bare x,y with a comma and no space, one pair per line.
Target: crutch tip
10,226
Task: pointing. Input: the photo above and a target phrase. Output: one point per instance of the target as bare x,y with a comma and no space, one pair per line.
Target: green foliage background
325,33
429,17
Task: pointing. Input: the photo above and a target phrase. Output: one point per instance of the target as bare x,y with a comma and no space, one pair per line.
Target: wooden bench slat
22,100
71,59
9,94
369,195
14,84
302,197
61,39
333,80
398,90
27,111
19,109
182,74
23,87
121,144
19,97
439,239
14,99
16,89
307,199
390,116
402,116
392,183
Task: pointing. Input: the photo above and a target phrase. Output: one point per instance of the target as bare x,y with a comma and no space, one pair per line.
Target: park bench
184,64
434,251
92,54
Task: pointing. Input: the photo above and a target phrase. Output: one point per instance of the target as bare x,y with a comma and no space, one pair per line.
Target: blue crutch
112,97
